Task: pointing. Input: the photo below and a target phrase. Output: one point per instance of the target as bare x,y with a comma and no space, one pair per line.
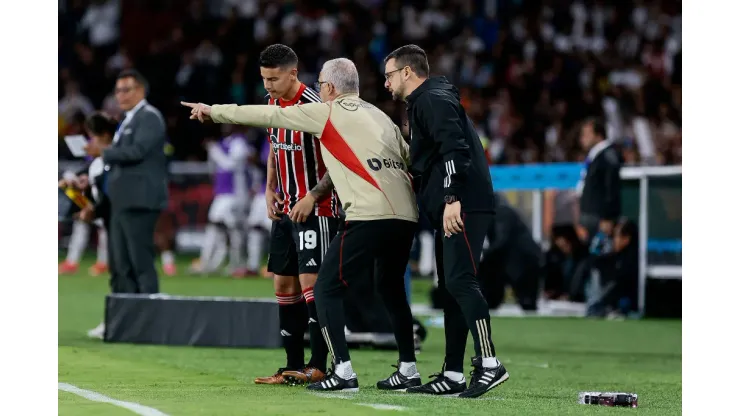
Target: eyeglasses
123,90
317,85
387,75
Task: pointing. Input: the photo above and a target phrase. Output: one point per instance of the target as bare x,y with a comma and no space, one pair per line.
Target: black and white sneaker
440,386
484,379
399,382
333,382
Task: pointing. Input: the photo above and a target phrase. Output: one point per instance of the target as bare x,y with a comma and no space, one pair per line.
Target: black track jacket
447,157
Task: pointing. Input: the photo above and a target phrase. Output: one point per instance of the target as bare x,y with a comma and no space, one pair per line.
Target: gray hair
342,73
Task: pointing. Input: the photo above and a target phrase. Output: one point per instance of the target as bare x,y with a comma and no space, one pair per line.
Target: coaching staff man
367,158
601,198
137,187
454,188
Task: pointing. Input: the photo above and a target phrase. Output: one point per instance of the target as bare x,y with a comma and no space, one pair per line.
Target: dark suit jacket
602,195
138,165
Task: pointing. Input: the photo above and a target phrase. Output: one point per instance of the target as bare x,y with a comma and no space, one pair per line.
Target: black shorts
298,248
362,246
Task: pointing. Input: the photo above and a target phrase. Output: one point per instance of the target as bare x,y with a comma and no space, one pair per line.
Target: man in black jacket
453,184
601,200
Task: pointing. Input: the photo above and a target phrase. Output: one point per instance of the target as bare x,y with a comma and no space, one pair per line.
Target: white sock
426,253
168,257
255,244
344,370
408,369
236,247
212,246
455,376
219,252
102,246
490,362
78,241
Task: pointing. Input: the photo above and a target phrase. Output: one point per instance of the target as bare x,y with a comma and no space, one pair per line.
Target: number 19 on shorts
307,240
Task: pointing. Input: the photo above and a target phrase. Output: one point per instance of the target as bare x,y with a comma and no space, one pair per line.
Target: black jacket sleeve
611,204
444,124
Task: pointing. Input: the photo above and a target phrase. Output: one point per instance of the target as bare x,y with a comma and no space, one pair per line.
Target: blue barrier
664,245
557,176
536,176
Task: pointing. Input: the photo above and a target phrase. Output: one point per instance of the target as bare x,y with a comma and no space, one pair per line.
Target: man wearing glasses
455,191
137,187
367,158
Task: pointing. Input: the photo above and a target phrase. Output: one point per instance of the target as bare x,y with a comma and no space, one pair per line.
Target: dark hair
412,56
278,56
598,125
101,124
136,75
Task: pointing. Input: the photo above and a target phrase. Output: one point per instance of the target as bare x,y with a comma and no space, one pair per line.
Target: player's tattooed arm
323,188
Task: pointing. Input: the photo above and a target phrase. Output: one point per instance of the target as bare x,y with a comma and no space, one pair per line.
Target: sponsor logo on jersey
376,164
287,147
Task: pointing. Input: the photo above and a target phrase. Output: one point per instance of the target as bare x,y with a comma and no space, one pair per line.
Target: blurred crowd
529,70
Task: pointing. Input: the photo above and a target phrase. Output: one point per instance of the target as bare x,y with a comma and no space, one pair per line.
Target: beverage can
611,399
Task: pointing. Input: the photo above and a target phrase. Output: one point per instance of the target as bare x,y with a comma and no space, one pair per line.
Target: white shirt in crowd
102,22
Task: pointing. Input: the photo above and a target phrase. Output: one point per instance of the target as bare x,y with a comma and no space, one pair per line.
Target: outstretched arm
310,118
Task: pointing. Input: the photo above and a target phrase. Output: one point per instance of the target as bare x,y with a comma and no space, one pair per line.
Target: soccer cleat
67,267
307,375
276,378
484,379
399,382
169,269
97,269
333,382
441,386
98,332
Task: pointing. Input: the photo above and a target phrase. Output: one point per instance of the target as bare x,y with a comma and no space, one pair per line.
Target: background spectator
529,70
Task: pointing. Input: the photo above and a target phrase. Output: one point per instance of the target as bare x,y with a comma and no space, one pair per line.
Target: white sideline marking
345,396
378,406
333,395
137,408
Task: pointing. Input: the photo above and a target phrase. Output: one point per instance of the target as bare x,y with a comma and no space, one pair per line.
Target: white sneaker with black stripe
399,382
440,386
333,382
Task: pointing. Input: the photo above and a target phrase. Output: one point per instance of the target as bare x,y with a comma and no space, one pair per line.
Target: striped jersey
298,162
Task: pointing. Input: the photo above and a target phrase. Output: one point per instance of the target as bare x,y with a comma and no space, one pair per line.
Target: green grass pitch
549,359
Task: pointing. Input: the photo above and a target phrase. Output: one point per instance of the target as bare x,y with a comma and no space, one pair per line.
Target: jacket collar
137,107
597,149
429,83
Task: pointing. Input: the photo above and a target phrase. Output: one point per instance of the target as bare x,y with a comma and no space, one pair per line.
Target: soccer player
296,250
455,191
225,216
366,157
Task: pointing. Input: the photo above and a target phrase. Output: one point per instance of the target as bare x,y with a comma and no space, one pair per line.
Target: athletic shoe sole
501,381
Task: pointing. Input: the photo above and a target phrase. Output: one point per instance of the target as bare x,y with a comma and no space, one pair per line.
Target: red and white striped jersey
298,161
